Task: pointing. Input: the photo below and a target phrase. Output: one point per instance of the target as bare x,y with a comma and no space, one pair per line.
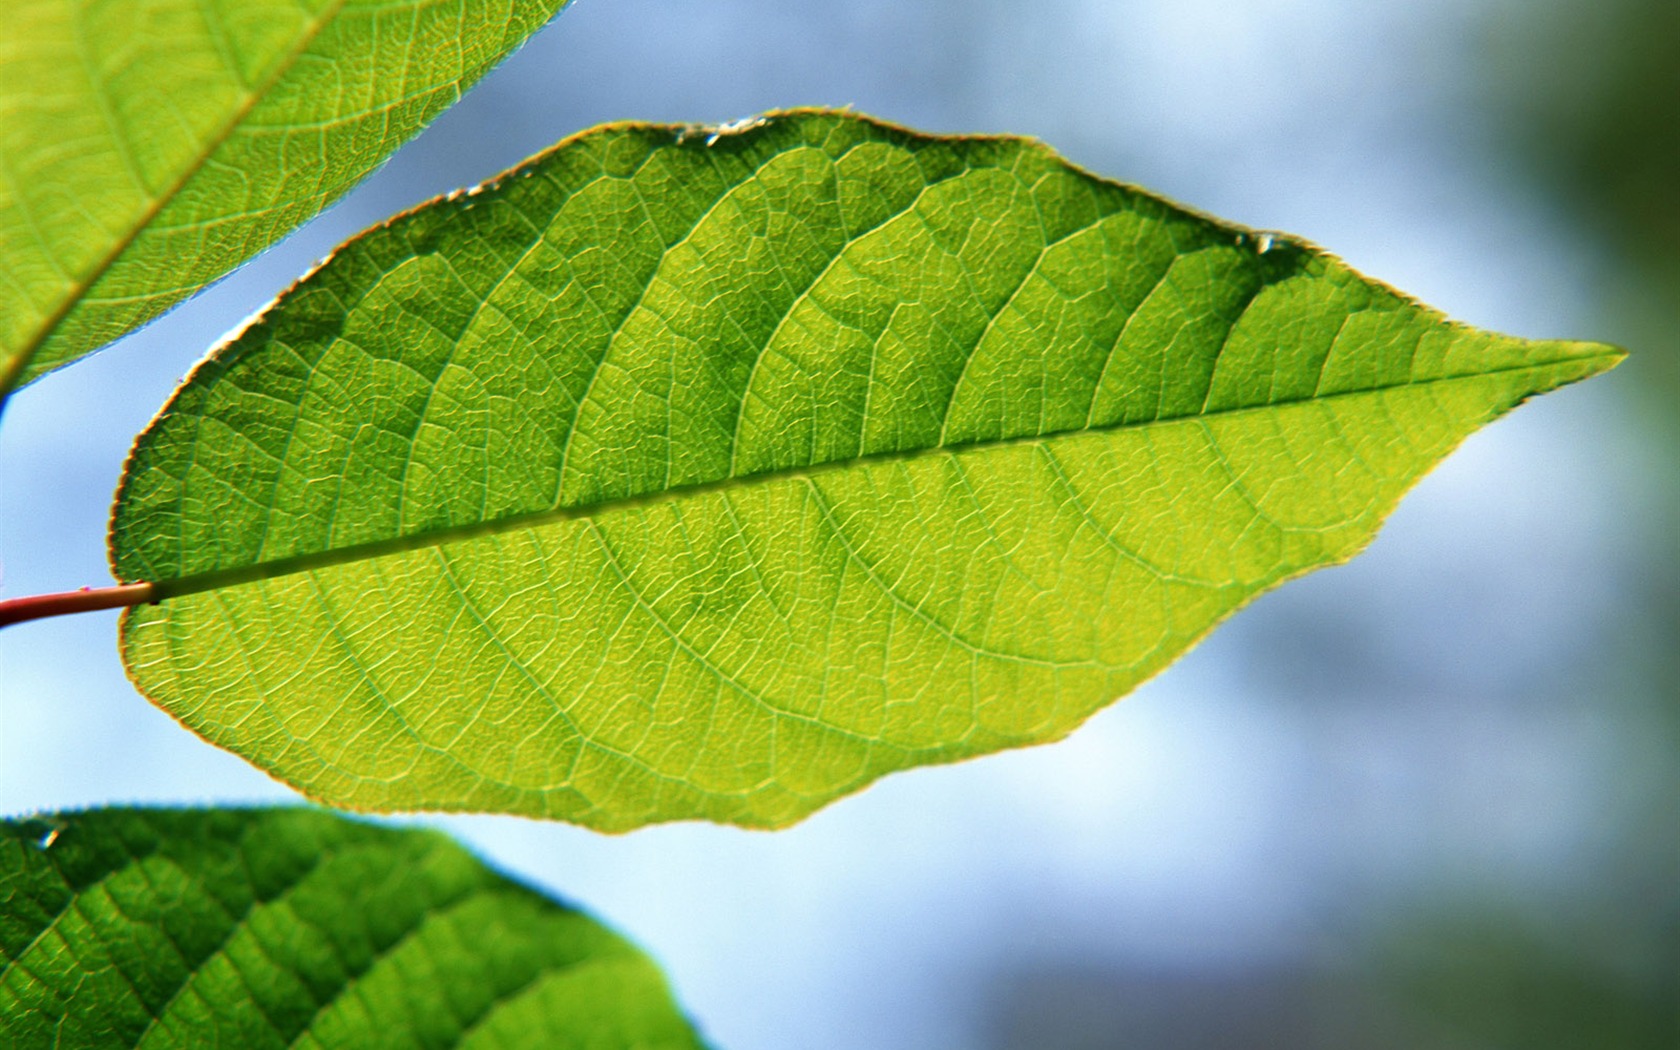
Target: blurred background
1425,800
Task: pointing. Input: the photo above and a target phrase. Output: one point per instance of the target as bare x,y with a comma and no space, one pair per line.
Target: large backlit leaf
715,475
148,146
295,928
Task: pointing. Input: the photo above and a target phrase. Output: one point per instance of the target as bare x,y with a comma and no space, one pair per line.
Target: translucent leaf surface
295,928
689,474
148,146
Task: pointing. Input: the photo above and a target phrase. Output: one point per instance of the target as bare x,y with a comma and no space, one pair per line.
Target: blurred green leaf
1487,978
148,147
1593,101
295,928
714,474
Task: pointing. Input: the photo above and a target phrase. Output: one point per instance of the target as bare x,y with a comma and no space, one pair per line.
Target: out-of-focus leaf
294,928
689,474
149,146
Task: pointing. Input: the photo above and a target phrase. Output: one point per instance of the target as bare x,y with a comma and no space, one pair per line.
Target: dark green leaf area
295,928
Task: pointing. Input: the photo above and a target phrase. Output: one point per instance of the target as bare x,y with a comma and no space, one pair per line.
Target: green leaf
690,474
296,928
148,148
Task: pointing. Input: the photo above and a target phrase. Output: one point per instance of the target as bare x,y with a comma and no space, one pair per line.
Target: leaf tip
1579,359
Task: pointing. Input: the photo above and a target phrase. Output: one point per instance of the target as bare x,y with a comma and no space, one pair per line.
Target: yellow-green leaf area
148,146
276,928
694,473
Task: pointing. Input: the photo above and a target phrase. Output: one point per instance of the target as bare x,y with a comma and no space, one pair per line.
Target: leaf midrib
79,289
214,579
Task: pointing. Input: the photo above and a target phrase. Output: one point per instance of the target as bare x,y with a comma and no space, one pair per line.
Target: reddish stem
88,599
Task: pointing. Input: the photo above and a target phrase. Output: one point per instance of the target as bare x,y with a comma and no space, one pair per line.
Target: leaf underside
146,148
714,475
294,928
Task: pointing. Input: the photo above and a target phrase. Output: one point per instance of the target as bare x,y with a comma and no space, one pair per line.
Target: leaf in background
149,146
290,927
685,475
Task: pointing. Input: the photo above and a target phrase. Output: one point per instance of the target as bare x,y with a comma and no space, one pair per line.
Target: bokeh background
1425,800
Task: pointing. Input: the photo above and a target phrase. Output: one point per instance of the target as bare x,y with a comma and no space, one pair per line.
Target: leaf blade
289,927
132,175
683,382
